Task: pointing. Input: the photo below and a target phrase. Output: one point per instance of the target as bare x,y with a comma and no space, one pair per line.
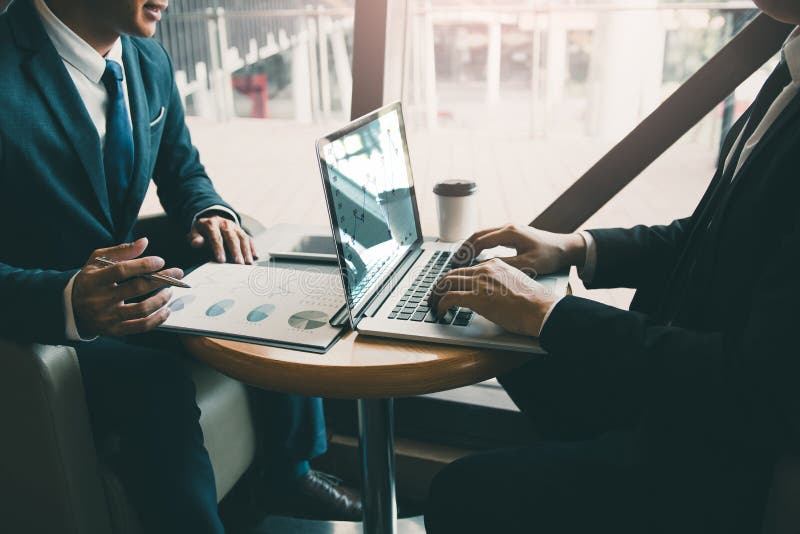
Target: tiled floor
268,169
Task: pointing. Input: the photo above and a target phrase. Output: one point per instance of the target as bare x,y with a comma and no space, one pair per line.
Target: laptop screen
370,192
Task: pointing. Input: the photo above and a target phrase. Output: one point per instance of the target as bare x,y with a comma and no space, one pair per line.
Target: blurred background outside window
520,96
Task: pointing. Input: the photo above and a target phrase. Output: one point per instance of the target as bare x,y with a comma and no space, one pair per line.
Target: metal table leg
376,440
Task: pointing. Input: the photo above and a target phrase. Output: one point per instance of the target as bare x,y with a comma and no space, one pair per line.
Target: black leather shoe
317,495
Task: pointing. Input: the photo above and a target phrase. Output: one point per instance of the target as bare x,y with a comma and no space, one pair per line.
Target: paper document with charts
268,305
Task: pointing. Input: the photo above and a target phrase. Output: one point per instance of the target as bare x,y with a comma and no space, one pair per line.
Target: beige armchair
52,476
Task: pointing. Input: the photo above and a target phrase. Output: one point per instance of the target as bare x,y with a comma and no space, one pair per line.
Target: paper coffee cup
457,207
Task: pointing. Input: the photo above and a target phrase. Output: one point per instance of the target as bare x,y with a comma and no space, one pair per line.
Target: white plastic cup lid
455,188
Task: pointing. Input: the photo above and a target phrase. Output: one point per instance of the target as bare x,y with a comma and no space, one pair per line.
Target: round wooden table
369,369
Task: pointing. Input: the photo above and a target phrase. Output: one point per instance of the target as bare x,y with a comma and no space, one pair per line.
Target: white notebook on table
283,305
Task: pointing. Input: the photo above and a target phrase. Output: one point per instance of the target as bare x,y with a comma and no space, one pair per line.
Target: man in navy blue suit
90,114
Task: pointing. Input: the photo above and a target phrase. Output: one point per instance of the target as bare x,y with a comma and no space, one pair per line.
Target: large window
521,97
261,80
261,58
524,97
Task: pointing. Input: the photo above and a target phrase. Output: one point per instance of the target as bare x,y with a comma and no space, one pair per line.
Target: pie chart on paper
180,303
259,314
215,310
308,320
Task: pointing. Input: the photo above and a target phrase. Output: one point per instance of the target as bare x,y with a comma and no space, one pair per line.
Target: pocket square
159,118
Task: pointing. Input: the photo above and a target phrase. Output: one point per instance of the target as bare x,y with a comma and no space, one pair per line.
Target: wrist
82,329
539,310
573,250
215,212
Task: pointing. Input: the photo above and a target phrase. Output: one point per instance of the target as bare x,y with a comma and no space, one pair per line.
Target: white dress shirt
791,54
86,67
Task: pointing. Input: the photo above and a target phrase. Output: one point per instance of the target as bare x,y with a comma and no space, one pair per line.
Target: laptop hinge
391,282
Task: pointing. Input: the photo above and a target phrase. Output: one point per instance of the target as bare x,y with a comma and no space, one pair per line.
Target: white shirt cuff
216,208
71,329
547,315
586,272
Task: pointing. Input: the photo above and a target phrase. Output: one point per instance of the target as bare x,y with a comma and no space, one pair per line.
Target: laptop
388,270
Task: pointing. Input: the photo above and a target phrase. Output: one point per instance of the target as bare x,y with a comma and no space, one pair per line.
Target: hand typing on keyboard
497,291
413,305
538,252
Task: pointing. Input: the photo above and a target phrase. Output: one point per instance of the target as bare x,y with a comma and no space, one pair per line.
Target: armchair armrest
782,514
50,479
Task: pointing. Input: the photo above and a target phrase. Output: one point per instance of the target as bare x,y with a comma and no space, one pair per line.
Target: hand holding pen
170,281
102,289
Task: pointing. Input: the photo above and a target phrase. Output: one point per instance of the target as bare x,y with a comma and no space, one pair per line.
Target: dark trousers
581,478
141,390
598,468
547,488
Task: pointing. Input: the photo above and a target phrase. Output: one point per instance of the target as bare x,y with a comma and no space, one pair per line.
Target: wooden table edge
465,366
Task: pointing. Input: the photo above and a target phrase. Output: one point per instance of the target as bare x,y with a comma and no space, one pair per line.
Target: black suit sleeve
709,373
184,188
637,256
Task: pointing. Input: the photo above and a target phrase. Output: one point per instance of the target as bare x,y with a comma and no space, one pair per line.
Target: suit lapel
675,286
47,71
140,118
708,257
788,115
768,141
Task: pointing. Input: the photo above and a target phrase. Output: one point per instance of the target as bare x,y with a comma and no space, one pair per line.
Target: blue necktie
118,150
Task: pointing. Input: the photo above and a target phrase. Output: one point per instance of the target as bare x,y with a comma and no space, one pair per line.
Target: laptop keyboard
374,272
413,305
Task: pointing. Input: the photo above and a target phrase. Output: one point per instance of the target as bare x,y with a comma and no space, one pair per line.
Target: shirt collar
73,49
791,54
115,54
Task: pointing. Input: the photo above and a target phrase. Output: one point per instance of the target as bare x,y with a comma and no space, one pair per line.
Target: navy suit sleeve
33,305
184,188
32,300
751,364
638,256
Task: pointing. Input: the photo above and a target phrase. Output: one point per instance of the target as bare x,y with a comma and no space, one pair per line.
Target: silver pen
152,276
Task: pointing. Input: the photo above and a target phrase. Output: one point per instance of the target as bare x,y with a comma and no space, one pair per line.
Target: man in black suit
90,114
667,417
